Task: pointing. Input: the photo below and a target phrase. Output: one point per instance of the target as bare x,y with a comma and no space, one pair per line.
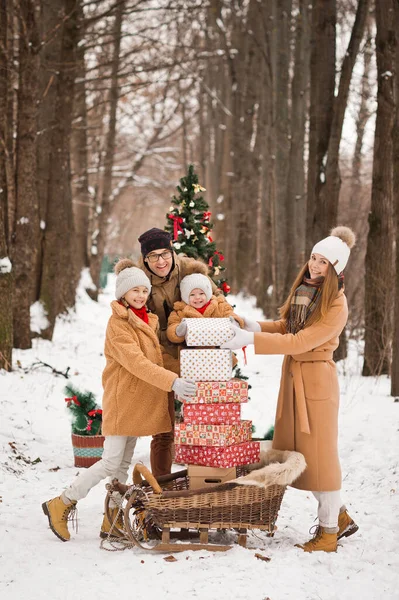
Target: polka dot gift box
208,332
206,364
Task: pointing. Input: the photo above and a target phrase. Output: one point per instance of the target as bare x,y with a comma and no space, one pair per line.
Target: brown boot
321,541
59,514
109,528
346,524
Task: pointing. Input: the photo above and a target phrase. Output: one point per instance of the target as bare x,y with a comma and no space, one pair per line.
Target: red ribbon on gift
74,399
177,223
245,354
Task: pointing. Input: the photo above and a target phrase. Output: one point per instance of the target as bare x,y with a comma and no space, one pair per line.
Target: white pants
115,462
330,505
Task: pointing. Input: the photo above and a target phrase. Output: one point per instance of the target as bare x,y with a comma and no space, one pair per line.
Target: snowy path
35,564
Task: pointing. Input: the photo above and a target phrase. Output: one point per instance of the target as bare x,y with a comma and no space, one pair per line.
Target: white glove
184,388
234,322
241,338
251,325
181,329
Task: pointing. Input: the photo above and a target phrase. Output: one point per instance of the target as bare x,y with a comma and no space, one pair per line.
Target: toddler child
197,301
135,394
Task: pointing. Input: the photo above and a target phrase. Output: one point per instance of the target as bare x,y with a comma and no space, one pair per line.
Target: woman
312,318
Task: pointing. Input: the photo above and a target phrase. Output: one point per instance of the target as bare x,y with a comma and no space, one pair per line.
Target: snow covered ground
35,564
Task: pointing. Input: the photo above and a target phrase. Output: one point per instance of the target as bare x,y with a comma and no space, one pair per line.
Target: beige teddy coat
135,382
308,402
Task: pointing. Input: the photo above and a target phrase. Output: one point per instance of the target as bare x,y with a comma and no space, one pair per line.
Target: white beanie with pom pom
192,282
129,276
336,247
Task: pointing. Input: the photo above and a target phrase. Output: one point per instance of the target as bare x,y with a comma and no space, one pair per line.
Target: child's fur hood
196,266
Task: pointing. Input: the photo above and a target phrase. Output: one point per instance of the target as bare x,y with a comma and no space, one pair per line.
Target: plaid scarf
303,303
305,300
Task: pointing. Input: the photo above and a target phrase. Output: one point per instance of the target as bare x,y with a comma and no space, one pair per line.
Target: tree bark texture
322,84
296,199
26,226
79,158
59,278
6,319
379,256
395,345
329,192
105,204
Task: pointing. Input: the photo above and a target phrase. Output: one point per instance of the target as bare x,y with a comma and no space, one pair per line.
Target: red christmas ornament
225,287
206,216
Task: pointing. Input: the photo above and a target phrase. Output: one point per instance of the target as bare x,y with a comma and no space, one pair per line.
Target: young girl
197,302
312,318
135,393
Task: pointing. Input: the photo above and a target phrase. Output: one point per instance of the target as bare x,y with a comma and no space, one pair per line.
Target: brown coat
135,400
308,402
166,291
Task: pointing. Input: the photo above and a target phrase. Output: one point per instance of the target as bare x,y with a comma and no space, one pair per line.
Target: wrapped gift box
220,392
201,434
212,456
206,364
213,414
208,332
200,477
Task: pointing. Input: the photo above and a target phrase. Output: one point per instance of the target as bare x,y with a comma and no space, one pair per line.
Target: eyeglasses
153,258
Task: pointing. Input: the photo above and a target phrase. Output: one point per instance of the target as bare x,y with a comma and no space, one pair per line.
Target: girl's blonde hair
328,289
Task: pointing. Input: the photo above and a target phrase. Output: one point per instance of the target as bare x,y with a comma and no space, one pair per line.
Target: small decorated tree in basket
87,440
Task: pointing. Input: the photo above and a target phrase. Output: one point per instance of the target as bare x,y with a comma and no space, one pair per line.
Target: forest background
289,110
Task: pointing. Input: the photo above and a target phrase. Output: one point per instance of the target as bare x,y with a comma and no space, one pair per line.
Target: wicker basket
87,449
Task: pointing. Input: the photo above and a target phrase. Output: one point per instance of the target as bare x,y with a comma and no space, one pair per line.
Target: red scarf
139,312
203,309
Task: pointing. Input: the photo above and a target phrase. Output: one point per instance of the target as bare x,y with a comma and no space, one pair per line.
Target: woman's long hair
329,291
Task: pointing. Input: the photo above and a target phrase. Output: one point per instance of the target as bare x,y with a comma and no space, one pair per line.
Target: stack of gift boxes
212,439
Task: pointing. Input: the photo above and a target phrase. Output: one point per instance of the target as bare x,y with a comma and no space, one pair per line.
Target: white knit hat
336,247
128,277
192,282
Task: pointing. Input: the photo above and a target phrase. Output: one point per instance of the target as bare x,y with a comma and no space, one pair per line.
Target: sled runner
154,511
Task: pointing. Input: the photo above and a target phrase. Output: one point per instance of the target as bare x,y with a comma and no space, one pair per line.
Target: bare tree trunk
322,84
11,120
6,320
98,244
79,158
281,132
379,257
296,199
58,283
50,31
395,345
329,193
26,226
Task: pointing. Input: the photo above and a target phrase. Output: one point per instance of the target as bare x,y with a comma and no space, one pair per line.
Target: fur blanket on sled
279,467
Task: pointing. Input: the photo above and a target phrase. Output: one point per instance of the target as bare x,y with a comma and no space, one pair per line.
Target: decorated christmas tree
189,222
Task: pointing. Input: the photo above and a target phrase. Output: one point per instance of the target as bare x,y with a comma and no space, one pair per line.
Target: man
165,269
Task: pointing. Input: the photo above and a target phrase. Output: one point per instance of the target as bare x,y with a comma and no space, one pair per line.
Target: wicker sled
156,510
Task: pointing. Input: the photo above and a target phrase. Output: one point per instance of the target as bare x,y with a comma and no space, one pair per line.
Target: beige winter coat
166,291
135,382
308,402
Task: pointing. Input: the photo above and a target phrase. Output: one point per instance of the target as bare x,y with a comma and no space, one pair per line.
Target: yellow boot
346,524
117,529
59,513
321,541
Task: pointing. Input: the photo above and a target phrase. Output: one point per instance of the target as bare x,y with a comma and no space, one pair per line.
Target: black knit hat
154,239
